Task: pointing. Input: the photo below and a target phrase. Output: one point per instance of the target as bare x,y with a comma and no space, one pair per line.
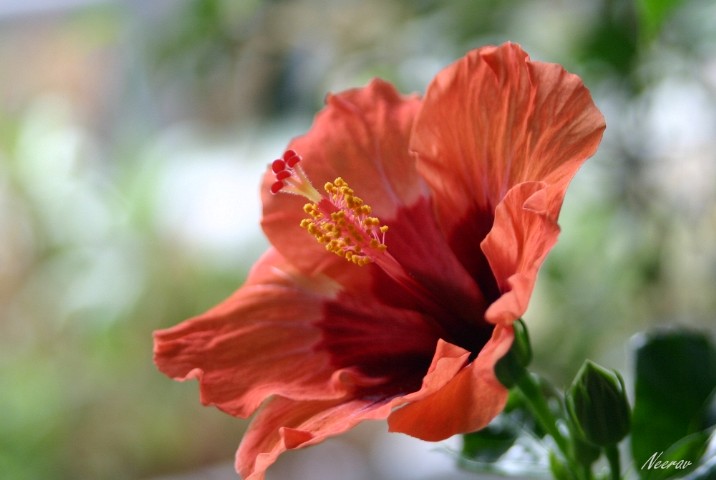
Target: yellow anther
343,224
340,220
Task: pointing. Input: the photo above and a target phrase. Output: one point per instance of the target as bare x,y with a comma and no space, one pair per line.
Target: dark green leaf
685,455
483,451
495,439
675,374
488,444
707,471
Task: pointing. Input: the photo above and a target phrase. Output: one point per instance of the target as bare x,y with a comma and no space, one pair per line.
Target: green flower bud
598,405
513,365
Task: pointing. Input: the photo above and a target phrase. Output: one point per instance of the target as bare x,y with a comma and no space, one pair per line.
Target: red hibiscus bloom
469,180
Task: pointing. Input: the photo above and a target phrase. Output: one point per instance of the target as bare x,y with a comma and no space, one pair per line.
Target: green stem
532,392
612,453
538,405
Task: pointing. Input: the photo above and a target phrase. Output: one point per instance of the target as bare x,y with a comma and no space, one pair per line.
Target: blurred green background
132,138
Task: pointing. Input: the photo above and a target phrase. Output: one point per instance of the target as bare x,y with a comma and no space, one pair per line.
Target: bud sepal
598,405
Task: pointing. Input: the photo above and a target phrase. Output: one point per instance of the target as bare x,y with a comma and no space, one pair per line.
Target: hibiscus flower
436,215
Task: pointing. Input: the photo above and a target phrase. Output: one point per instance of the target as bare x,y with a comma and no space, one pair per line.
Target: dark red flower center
391,336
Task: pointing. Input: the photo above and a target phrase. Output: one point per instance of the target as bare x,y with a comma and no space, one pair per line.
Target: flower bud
513,365
598,405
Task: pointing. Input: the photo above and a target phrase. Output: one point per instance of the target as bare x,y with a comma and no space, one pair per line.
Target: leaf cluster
668,428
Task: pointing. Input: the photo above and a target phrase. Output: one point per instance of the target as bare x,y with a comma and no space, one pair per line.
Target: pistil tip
290,177
278,166
277,186
291,158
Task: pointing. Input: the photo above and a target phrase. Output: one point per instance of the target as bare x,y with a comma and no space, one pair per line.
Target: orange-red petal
523,223
284,424
465,401
495,119
250,347
490,122
440,408
362,136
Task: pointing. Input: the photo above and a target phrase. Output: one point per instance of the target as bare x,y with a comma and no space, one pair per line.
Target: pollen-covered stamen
342,222
290,177
338,219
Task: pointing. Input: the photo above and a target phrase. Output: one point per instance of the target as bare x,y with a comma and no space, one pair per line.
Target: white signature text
654,463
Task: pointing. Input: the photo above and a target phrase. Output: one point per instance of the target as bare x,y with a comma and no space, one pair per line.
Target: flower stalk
529,386
512,371
612,454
